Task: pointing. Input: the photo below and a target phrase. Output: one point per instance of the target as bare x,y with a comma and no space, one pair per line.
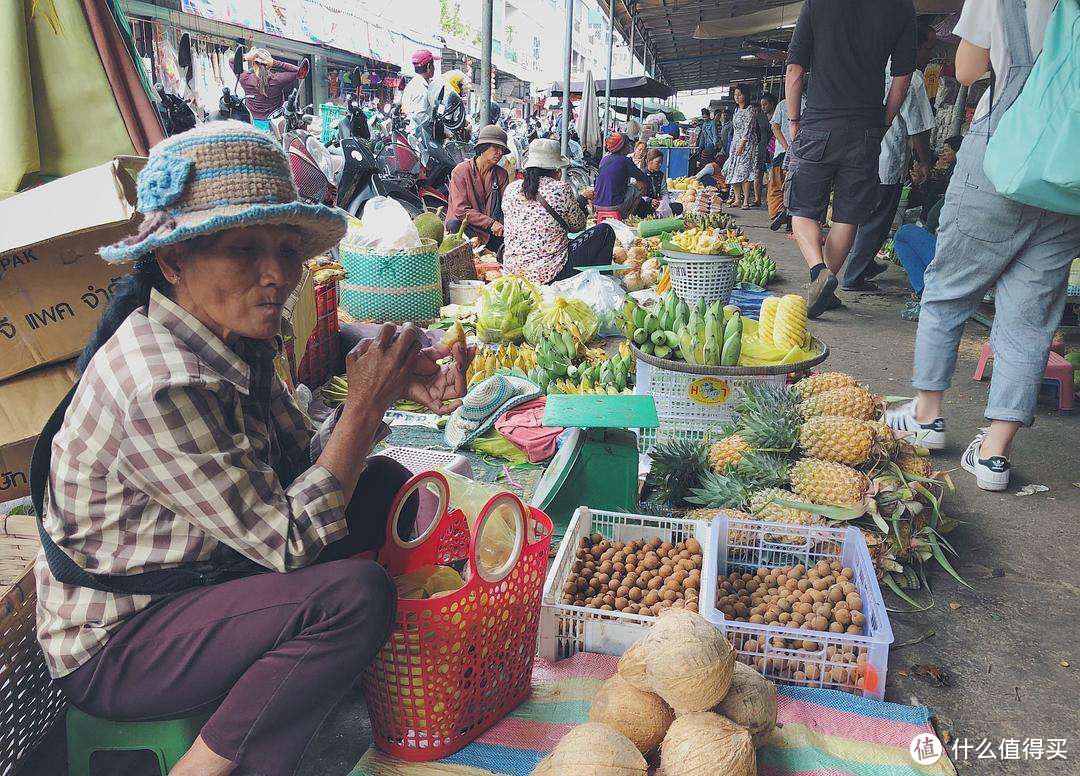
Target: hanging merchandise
168,66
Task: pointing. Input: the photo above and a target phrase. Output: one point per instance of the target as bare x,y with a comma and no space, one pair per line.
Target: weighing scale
597,464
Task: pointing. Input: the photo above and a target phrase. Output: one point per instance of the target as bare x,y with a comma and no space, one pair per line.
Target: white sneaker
990,473
930,435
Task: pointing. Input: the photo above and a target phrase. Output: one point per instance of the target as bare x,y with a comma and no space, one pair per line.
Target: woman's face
492,154
639,149
948,156
740,98
654,164
237,281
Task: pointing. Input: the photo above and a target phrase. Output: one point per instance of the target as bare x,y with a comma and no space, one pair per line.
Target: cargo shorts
839,160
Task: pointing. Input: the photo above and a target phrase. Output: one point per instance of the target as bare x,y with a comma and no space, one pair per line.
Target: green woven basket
400,286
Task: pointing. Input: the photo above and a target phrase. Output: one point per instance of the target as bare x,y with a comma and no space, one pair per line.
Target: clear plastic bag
601,292
496,544
623,233
387,227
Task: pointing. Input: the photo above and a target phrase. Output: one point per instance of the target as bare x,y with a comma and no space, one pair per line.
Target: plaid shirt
176,448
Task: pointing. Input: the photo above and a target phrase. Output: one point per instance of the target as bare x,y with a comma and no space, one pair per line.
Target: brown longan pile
823,599
639,577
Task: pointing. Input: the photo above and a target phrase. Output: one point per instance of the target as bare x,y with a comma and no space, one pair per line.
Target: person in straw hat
199,532
476,190
541,210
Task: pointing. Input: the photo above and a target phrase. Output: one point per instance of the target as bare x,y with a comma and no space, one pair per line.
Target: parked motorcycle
432,179
176,115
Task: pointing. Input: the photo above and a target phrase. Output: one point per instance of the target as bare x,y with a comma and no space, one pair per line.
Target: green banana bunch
755,267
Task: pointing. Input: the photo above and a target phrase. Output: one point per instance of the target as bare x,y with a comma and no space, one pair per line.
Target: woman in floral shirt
539,211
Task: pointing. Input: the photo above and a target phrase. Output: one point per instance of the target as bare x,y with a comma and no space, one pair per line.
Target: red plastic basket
323,346
458,663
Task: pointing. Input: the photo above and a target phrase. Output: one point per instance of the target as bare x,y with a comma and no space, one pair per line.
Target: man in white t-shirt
417,100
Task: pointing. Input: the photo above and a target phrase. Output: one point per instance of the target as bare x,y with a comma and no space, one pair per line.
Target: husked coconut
641,716
706,744
683,659
751,702
593,749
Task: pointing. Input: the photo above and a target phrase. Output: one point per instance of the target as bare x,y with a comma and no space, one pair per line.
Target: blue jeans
987,241
914,246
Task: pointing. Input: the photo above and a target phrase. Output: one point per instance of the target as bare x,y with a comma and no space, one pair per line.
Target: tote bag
1032,155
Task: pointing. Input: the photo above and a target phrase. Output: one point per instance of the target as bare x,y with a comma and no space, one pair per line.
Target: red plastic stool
604,215
1058,370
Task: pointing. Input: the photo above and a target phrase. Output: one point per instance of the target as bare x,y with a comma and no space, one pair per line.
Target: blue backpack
1032,156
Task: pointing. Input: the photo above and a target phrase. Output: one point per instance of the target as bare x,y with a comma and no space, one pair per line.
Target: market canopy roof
628,86
704,43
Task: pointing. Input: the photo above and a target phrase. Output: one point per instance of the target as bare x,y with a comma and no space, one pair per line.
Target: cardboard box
26,402
53,285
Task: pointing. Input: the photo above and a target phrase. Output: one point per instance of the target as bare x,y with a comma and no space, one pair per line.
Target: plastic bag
623,233
601,292
428,582
496,544
664,209
503,307
387,227
561,314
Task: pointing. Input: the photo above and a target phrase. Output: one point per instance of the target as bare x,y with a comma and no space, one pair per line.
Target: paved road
1001,644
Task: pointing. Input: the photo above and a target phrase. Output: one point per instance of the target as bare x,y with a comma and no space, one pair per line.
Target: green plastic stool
168,739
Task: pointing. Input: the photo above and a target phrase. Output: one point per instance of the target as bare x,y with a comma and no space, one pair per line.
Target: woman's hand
741,149
439,387
496,229
380,370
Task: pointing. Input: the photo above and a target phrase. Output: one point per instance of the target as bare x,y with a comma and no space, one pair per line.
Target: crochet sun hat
483,405
221,175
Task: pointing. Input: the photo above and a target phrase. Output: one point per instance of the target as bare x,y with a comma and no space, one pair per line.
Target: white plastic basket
744,545
690,406
705,277
565,629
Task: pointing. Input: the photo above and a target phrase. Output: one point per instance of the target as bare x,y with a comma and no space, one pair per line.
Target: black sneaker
818,293
863,285
875,269
782,219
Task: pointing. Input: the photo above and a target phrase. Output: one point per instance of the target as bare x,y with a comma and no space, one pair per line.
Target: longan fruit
855,630
608,608
798,570
819,584
635,594
654,583
568,599
614,585
621,603
836,593
655,542
797,618
651,562
691,605
857,618
854,602
784,618
847,573
819,623
822,567
757,619
622,592
835,627
693,545
603,578
784,604
652,598
665,571
811,671
669,595
619,567
835,566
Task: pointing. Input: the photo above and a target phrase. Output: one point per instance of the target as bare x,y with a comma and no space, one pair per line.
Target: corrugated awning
629,86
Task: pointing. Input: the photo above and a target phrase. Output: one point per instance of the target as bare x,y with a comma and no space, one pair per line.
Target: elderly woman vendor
199,531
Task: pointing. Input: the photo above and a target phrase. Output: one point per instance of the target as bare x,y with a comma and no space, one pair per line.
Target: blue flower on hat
162,180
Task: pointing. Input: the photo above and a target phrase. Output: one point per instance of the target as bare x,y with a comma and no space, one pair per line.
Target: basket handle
431,479
490,508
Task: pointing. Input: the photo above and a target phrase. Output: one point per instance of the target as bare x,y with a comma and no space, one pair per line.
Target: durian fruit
789,329
767,318
825,482
843,440
850,401
825,381
727,452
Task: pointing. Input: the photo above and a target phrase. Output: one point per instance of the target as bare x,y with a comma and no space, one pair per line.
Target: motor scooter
176,115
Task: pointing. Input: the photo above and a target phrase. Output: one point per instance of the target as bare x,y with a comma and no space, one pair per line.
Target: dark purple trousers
273,653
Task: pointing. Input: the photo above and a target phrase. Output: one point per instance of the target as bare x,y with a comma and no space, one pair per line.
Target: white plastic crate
745,545
690,406
565,629
704,277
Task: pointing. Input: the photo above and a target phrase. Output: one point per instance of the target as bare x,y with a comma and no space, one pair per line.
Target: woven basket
456,265
29,700
398,287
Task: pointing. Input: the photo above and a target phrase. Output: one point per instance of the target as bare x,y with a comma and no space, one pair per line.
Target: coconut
640,716
751,702
683,659
593,749
704,744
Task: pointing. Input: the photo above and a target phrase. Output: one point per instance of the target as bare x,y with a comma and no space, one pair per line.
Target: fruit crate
566,629
690,406
745,545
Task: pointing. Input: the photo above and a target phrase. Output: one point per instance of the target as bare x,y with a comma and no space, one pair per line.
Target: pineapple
825,482
842,440
789,329
769,417
677,466
719,491
763,506
727,452
819,383
848,402
914,464
767,318
884,436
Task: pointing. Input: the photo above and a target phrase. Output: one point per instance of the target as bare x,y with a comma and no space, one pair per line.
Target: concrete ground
1007,647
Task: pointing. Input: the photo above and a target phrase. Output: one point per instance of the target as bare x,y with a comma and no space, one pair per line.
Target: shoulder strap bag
552,212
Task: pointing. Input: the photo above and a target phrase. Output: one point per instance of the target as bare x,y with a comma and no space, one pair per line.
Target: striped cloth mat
823,733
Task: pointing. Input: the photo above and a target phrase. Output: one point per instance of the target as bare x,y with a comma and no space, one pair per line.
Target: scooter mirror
238,61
